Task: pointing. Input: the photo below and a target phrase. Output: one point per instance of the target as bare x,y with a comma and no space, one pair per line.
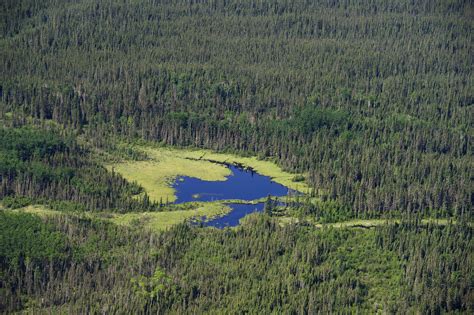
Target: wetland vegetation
165,165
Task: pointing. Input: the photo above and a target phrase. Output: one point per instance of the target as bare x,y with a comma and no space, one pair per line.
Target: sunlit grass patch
157,175
39,210
160,221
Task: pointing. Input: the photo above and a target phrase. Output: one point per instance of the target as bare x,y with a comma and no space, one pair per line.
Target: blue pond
242,184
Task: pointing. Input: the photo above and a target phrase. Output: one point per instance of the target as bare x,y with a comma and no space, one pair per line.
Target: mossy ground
157,174
159,221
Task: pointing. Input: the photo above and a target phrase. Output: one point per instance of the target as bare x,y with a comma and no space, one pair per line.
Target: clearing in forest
157,174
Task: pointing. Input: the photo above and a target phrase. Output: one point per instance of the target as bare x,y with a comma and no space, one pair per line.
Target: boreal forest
236,156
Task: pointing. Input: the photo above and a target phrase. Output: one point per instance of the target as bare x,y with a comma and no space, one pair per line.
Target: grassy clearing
157,174
38,210
160,221
165,164
284,220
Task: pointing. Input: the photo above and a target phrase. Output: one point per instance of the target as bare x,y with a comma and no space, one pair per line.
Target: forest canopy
370,101
372,98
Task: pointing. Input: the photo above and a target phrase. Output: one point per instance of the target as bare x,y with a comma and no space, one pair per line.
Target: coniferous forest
372,100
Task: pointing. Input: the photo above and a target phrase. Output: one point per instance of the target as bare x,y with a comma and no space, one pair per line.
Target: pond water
241,184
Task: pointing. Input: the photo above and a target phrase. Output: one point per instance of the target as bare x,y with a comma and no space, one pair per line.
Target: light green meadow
160,221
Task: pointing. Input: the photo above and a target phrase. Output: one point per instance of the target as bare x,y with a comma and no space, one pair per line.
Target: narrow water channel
239,210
